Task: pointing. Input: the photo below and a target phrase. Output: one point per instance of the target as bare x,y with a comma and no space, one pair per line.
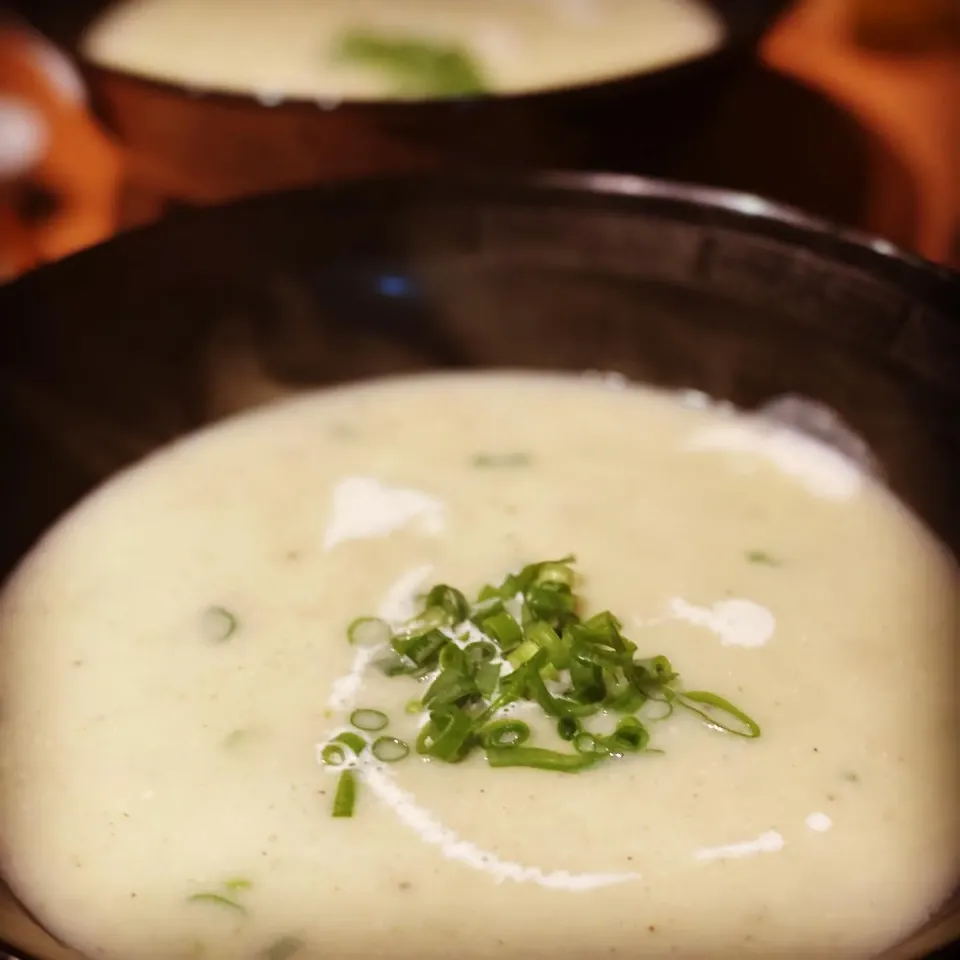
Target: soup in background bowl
213,100
741,423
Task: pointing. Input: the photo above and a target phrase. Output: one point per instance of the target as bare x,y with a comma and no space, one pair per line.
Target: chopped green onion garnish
392,664
568,728
237,883
630,737
451,601
218,899
346,796
369,720
526,651
711,707
369,632
536,648
353,740
503,630
540,759
589,744
219,624
480,652
335,753
506,733
389,749
448,735
762,557
487,677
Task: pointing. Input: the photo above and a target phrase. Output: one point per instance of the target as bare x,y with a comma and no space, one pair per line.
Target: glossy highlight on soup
176,658
397,49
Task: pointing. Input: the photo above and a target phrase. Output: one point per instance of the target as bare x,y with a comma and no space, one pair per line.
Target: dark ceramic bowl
198,146
113,352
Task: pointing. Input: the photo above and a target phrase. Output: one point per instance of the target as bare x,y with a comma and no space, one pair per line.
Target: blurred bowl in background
203,147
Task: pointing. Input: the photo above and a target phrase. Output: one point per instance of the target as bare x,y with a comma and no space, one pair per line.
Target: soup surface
288,48
161,795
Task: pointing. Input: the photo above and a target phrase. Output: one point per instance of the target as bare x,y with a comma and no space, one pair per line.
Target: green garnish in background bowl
419,67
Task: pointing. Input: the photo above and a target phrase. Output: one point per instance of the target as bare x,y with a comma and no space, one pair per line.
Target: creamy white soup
294,48
175,665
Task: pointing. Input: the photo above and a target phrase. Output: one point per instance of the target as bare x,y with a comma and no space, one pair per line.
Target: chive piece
218,624
419,67
369,632
432,618
714,704
568,728
335,752
480,652
526,651
423,650
389,749
502,460
631,736
450,687
506,733
345,798
218,899
762,557
503,630
447,736
392,664
334,755
486,678
369,721
540,759
237,883
413,706
589,744
283,949
451,601
353,740
660,717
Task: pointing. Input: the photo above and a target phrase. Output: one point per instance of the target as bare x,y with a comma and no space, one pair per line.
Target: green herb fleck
763,558
419,67
218,624
343,431
502,460
237,737
232,887
218,899
282,949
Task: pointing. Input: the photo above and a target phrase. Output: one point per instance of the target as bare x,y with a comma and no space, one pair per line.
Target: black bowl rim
720,206
847,244
731,45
